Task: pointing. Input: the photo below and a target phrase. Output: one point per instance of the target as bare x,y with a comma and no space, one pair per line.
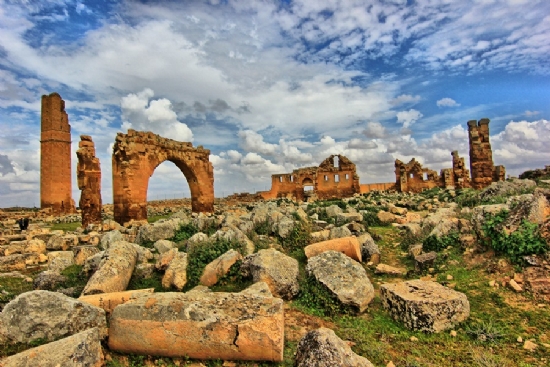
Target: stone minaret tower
55,157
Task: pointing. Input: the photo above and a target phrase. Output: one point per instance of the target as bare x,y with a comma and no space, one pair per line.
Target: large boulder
109,238
347,245
202,325
82,253
48,280
278,270
340,232
60,260
115,269
333,210
164,245
161,230
480,215
108,301
425,306
342,276
49,316
506,188
369,249
82,349
322,348
62,242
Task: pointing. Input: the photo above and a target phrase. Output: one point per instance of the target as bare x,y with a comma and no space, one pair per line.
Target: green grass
12,287
156,218
67,227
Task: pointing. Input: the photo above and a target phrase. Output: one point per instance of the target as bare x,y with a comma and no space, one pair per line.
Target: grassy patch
67,227
156,218
12,287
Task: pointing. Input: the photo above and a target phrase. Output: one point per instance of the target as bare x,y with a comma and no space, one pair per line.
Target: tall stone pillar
88,174
481,155
55,157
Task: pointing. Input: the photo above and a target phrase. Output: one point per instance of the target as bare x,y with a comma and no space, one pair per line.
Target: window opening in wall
347,176
411,175
280,178
336,178
336,162
291,178
326,178
425,176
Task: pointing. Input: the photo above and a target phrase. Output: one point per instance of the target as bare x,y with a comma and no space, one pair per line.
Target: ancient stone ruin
335,177
135,157
88,174
484,172
412,177
55,157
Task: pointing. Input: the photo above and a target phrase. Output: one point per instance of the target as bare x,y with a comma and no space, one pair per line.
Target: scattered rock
425,306
164,245
109,238
48,280
342,276
176,272
219,267
425,261
47,315
108,301
369,249
60,260
322,348
81,349
530,346
391,270
278,270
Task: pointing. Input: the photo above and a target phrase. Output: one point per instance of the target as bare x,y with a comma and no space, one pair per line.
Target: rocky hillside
441,278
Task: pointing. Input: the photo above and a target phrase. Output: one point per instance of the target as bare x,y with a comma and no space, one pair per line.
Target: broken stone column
202,325
115,269
346,245
424,306
481,155
88,172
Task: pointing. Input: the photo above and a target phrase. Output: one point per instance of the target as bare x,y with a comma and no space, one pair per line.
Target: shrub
318,300
434,243
525,240
185,232
297,239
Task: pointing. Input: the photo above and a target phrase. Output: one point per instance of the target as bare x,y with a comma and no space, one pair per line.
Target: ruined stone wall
365,188
329,180
55,157
135,157
412,177
88,174
461,175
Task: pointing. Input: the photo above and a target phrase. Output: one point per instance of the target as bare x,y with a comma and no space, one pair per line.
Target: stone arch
137,154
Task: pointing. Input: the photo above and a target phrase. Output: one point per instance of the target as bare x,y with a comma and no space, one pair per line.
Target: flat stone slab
425,306
201,325
108,301
82,349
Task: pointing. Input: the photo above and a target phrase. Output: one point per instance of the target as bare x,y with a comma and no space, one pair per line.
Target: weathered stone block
425,261
47,315
60,260
82,349
278,270
219,267
230,326
322,348
425,306
108,301
342,276
347,245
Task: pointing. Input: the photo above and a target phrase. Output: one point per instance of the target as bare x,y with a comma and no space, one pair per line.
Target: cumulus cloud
447,102
253,142
531,113
374,130
361,144
405,98
141,112
407,118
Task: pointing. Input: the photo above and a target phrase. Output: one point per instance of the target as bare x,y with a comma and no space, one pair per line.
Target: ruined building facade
88,173
55,157
484,172
412,177
335,177
135,157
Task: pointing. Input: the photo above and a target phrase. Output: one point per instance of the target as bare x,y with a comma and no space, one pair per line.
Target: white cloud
531,113
253,142
140,112
405,98
407,118
374,129
447,102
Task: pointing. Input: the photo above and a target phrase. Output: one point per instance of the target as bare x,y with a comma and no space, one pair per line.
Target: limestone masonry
88,174
135,157
484,172
55,157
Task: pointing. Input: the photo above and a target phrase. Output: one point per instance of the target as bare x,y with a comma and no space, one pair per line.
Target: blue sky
270,86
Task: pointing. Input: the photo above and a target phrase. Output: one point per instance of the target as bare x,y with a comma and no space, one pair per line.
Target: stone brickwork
412,177
481,156
336,177
88,174
135,157
55,157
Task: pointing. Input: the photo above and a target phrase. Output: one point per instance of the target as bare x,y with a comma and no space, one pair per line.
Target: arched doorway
308,187
135,157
